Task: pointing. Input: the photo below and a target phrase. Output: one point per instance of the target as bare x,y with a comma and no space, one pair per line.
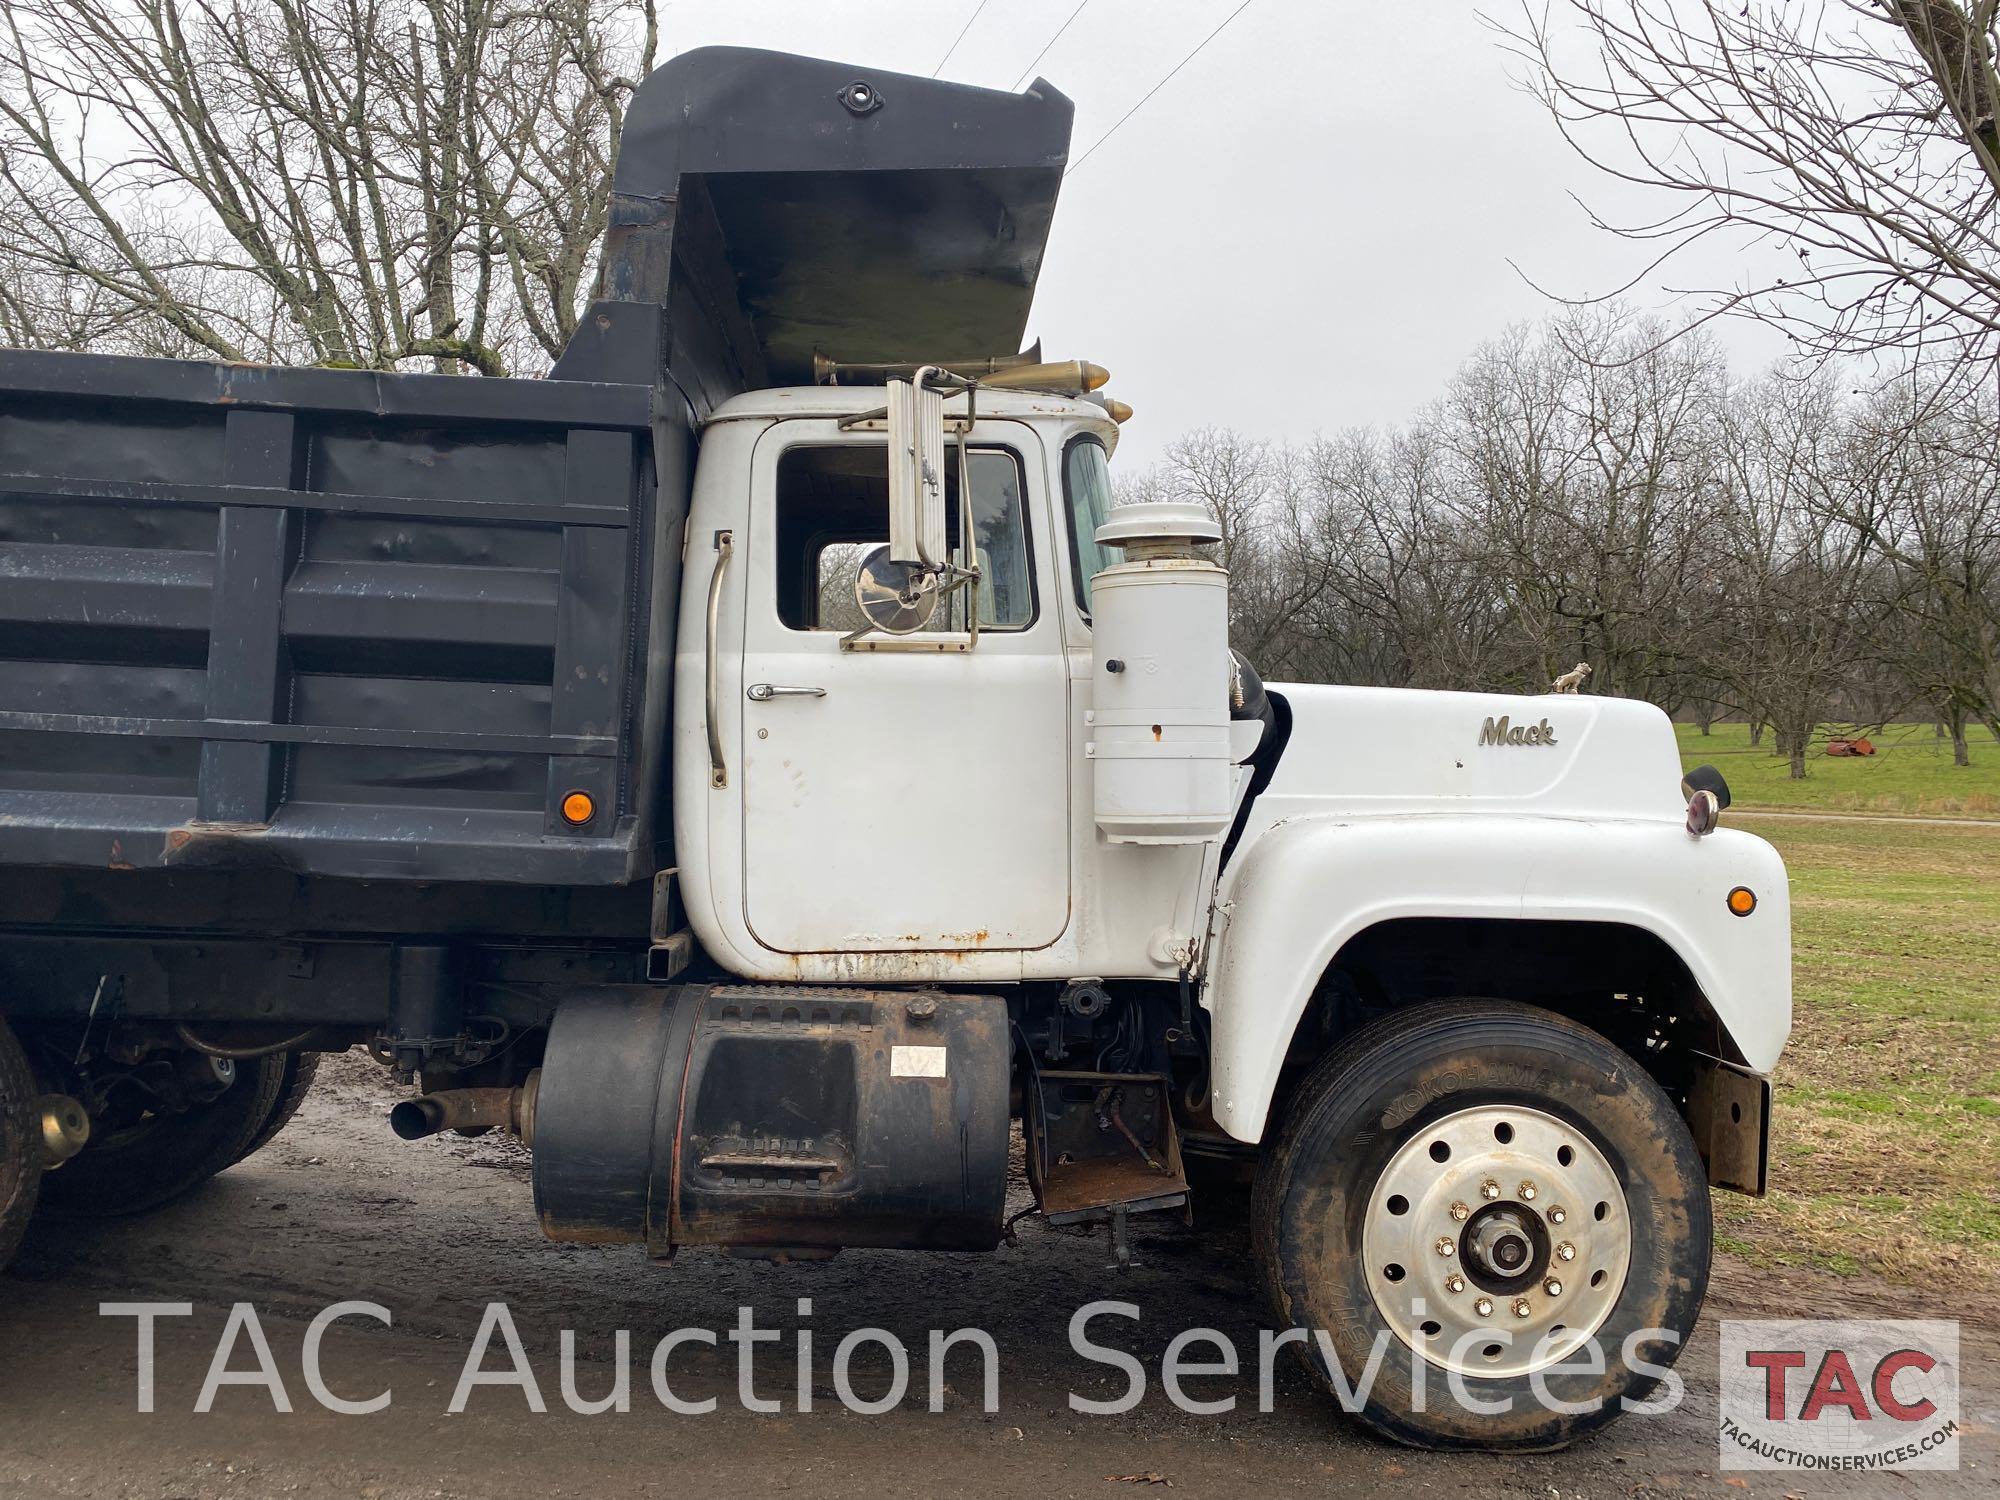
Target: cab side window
833,508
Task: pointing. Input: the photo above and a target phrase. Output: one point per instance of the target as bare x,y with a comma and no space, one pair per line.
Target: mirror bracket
916,427
916,471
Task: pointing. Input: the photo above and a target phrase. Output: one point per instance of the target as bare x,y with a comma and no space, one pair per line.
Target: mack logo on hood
1500,732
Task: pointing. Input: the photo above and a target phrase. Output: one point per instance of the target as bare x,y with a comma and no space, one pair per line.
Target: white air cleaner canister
1159,735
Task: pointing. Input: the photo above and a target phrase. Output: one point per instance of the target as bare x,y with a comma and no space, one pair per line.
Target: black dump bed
322,620
382,626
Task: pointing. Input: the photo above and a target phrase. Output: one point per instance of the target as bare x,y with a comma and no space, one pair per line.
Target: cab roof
787,403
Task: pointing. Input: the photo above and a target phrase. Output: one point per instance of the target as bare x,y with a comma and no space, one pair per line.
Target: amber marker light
578,808
1742,901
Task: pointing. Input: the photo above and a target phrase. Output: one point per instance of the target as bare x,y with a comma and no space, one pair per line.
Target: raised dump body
417,627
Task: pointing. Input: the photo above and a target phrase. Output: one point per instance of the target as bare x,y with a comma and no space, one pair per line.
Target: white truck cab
946,777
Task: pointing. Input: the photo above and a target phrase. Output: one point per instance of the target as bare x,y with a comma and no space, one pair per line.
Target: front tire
20,1144
1494,1184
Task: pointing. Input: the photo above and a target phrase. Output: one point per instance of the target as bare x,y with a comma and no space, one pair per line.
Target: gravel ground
337,1208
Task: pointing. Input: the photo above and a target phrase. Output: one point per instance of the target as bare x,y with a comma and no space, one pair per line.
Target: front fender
1295,896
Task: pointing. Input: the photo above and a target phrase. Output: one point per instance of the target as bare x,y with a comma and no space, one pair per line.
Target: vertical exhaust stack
1160,643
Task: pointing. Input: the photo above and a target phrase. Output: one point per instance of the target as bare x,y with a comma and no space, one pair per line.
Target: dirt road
338,1209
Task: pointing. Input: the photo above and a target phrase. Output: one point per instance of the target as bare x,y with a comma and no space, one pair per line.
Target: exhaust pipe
469,1109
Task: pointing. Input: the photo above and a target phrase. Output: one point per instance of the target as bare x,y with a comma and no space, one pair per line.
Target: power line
1157,87
959,38
1048,44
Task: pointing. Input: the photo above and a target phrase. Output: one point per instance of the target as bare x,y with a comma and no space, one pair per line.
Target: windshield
1087,490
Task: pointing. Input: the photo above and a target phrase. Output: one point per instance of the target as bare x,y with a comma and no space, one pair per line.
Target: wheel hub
1505,1248
1496,1240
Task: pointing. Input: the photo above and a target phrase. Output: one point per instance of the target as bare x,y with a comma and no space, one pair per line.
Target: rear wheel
148,1157
300,1070
20,1144
1485,1190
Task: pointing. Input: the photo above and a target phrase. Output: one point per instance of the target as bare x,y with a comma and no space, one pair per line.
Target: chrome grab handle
764,692
725,545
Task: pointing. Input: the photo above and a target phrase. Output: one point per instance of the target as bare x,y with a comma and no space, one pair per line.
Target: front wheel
1484,1191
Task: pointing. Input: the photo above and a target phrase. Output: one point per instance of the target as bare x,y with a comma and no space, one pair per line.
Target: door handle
725,545
764,692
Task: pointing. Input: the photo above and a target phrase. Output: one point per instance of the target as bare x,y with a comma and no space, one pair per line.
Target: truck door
900,793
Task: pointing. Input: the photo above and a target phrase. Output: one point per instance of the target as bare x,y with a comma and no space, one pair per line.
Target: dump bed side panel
331,622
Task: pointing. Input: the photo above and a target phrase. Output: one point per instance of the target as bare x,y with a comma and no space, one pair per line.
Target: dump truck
758,765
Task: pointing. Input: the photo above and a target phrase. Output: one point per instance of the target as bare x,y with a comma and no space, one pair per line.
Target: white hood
1396,750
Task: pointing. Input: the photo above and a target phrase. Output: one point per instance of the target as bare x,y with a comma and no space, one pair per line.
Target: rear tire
300,1070
1471,1123
164,1156
20,1144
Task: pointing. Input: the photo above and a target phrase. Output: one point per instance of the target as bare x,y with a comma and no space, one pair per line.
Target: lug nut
1565,1251
1553,1287
1557,1215
1444,1245
1489,1189
1484,1307
1454,1283
1460,1212
1522,1307
1527,1192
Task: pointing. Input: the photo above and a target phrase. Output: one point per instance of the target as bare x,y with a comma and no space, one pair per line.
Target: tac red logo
1839,1395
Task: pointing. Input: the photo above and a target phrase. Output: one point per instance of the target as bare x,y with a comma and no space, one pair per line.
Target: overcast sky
1309,228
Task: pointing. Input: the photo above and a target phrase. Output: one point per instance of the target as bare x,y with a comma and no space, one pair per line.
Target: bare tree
1788,572
1854,139
1412,599
1229,475
1262,502
1780,548
348,182
1925,497
1586,455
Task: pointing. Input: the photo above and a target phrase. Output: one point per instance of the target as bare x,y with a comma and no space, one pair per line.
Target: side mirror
897,598
916,472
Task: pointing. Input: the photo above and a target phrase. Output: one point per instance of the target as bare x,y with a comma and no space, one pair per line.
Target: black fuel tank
774,1118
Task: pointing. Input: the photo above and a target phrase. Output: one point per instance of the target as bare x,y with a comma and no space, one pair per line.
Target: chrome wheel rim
1496,1241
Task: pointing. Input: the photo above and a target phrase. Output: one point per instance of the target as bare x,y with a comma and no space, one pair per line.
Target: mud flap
1729,1116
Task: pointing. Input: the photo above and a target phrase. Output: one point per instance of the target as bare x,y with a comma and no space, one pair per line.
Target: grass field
1911,773
1885,1145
